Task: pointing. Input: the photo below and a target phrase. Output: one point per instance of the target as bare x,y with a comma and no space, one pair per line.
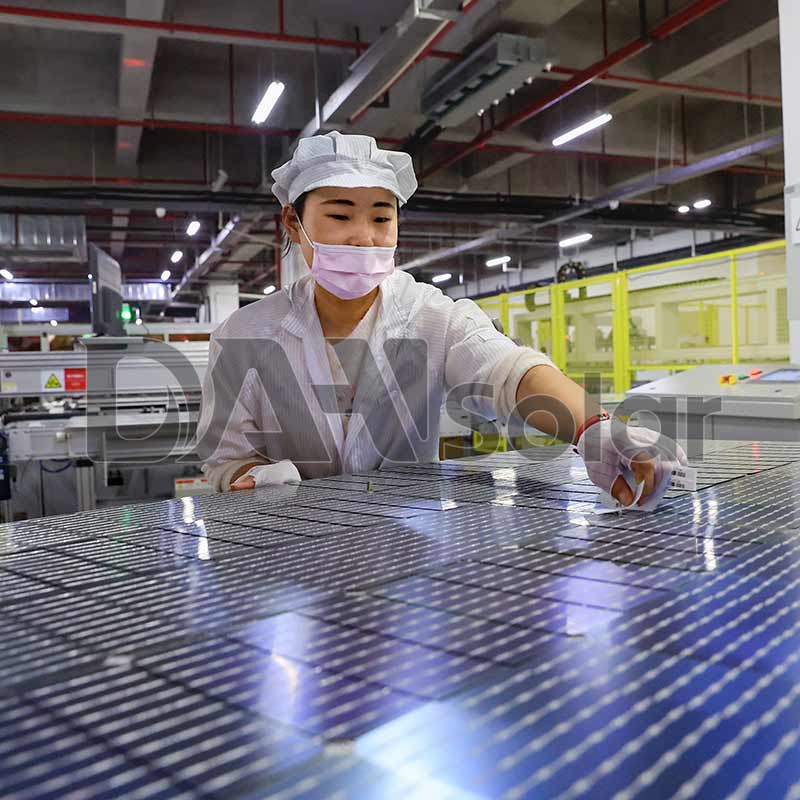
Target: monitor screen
782,376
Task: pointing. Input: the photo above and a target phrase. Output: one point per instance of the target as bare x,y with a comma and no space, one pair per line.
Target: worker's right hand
267,475
610,448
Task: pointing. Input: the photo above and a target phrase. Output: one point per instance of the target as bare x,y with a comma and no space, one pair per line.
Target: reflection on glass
188,509
709,555
508,475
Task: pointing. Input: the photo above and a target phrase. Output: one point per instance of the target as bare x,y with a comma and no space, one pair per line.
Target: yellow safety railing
713,297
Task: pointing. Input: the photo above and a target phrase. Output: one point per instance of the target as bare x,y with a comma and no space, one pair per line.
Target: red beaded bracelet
589,422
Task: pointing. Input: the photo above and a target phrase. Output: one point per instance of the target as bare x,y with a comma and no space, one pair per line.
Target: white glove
273,474
608,448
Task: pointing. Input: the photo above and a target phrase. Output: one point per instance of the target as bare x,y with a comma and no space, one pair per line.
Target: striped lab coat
268,392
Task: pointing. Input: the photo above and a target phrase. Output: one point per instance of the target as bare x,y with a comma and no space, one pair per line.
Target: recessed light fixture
572,241
701,204
176,256
684,209
441,278
53,323
193,227
33,301
269,289
165,275
6,274
582,129
498,262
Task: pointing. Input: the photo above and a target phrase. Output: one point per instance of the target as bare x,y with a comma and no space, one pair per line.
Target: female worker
346,369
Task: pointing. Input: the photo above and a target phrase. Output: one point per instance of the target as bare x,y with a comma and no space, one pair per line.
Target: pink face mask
349,271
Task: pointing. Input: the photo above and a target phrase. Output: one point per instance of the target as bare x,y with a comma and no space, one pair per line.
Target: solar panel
467,629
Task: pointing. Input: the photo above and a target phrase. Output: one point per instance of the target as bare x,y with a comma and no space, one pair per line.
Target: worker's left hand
267,475
610,448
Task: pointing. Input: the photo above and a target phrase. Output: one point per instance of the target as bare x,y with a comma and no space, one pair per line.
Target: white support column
222,299
789,19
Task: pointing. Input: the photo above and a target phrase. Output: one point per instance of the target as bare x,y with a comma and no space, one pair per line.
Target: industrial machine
113,405
728,401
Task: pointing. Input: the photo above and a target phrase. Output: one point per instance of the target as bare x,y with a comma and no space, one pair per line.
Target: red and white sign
75,379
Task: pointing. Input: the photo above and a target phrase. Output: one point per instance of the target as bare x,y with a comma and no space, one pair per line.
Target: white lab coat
296,421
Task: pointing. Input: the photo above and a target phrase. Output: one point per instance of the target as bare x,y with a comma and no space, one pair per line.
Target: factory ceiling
114,109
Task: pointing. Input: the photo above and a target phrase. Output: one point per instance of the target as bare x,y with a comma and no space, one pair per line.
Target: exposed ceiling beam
234,239
625,191
751,24
669,26
151,123
136,57
664,86
174,29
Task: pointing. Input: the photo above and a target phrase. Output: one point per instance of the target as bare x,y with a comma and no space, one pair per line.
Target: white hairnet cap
344,160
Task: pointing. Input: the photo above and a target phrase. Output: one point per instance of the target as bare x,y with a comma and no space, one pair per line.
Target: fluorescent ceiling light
498,262
6,274
575,240
193,227
701,204
229,226
581,129
33,301
444,276
684,209
53,323
165,275
269,289
176,256
264,108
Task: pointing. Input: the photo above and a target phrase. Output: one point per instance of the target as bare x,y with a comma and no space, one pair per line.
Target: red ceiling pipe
727,94
26,176
167,124
124,23
230,85
586,155
622,158
669,26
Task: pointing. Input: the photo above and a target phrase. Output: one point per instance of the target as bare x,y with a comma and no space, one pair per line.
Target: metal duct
17,291
502,64
37,237
375,69
17,316
233,238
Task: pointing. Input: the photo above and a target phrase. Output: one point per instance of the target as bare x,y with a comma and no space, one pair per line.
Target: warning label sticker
75,379
52,380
